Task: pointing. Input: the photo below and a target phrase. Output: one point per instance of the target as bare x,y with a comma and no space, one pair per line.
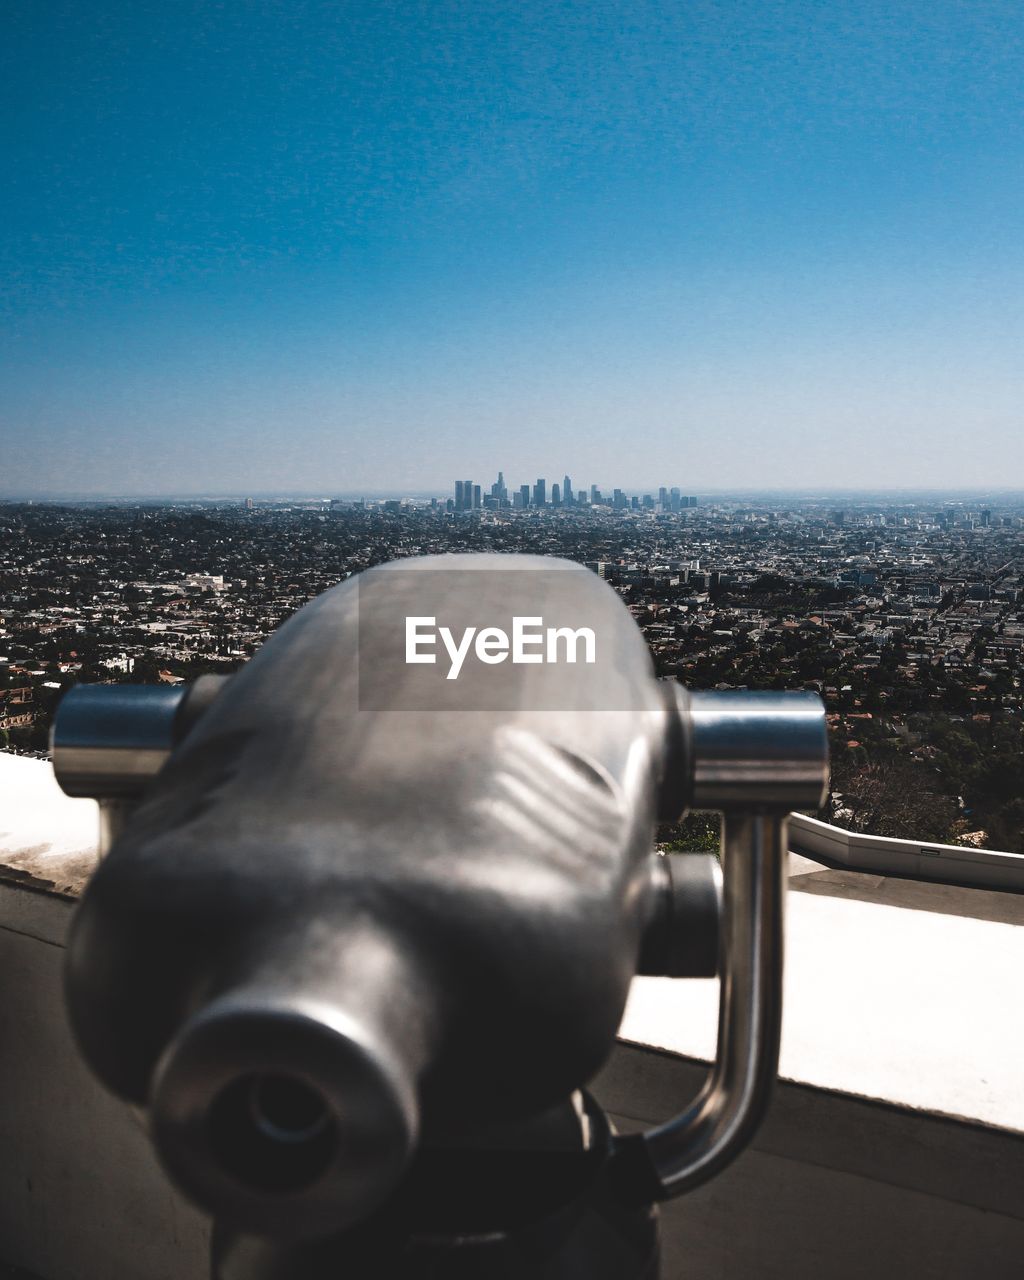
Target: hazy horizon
375,248
895,493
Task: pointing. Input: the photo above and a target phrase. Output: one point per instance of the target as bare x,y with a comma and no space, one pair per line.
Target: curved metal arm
754,757
694,1146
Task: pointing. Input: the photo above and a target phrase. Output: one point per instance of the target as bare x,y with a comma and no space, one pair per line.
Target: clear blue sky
286,245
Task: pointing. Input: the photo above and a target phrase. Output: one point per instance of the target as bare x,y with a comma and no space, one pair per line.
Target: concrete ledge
894,1146
946,863
81,1194
833,1186
915,1008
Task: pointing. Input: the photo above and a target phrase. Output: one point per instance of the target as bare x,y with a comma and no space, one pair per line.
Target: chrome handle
109,742
693,1147
753,757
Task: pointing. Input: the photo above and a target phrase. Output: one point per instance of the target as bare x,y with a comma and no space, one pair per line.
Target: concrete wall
81,1196
834,1187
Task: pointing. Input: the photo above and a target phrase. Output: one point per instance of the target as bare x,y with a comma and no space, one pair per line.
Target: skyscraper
524,493
459,495
566,491
540,493
556,495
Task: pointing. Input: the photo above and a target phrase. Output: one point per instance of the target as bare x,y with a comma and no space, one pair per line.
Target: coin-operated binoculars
372,907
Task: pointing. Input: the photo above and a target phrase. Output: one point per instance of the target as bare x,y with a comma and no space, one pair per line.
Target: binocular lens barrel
296,1110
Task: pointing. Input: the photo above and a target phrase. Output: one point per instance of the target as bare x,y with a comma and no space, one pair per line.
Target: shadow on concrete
913,895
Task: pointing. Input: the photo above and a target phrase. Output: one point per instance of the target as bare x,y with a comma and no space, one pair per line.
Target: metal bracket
753,756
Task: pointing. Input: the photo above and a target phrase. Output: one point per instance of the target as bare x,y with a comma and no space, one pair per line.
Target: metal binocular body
365,930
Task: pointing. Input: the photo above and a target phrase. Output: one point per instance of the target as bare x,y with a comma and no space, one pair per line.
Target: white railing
906,859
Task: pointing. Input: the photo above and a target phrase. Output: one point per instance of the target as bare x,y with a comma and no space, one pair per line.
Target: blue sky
329,247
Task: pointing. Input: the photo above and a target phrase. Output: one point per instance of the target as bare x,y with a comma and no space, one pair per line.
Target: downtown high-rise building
471,497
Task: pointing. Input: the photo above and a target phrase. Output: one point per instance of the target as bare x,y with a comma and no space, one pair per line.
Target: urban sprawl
906,616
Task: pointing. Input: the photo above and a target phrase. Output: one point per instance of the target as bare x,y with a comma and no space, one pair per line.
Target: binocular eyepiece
356,905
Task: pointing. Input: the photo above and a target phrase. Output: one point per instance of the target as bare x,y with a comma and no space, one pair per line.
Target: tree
893,797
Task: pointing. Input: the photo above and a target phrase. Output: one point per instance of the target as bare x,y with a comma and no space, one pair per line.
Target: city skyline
470,496
362,247
892,495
